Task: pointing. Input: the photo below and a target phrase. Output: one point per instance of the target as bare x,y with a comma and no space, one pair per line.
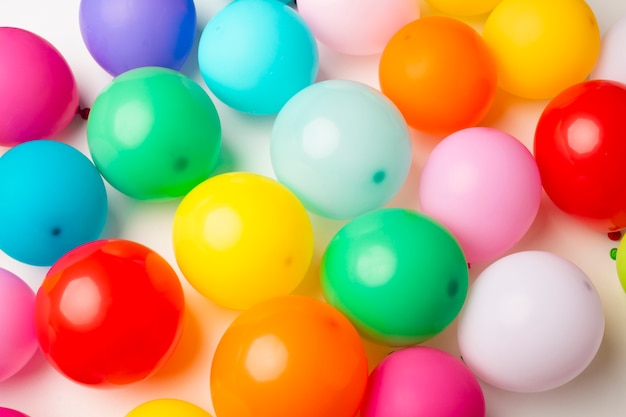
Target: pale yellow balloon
168,407
542,47
465,7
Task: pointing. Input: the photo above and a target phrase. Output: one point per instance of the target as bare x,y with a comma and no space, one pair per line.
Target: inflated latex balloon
484,186
167,407
109,313
342,147
154,133
357,27
621,263
398,275
38,89
422,382
439,73
289,356
53,199
243,63
542,47
17,333
464,7
125,34
532,322
8,412
580,151
611,63
241,238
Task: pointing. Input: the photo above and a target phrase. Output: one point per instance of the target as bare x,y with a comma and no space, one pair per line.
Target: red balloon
109,313
580,147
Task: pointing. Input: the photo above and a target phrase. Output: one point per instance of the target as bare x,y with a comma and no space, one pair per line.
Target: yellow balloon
167,407
242,238
464,7
542,46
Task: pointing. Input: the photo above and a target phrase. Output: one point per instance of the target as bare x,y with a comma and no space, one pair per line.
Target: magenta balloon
7,412
484,186
38,93
18,343
422,382
126,34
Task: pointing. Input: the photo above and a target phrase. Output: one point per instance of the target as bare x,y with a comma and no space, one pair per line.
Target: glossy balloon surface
420,72
484,186
53,199
357,27
289,356
342,147
154,133
580,149
241,238
109,313
533,321
167,407
126,34
464,7
245,65
17,335
398,275
542,47
38,90
422,382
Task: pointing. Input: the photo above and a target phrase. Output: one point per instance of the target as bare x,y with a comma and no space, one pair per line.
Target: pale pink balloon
17,332
484,186
357,27
38,92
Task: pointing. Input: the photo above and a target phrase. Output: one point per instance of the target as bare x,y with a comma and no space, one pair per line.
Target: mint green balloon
398,275
154,133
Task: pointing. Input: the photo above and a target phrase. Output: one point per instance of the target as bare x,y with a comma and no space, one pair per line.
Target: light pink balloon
38,92
422,382
484,186
17,332
357,27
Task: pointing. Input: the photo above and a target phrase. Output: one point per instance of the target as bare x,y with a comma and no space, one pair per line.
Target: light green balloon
154,133
620,263
399,276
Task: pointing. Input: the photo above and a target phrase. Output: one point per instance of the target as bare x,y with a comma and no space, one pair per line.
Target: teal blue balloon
342,147
399,276
52,199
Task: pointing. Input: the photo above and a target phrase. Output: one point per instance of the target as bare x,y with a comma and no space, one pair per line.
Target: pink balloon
484,186
422,382
38,93
17,332
357,27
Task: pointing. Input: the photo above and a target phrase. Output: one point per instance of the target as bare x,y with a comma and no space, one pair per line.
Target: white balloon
611,63
532,321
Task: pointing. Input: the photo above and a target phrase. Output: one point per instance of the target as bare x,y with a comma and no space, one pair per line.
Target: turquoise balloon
342,147
52,199
399,276
154,133
254,55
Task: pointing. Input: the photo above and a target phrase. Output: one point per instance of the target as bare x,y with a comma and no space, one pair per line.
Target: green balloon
399,276
154,133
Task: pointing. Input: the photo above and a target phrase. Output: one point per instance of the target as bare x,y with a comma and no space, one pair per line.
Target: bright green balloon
154,133
400,277
620,263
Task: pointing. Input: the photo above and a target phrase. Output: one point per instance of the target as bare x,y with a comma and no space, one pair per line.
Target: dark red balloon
580,147
109,313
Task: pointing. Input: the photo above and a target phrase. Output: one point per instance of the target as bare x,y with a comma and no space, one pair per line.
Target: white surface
40,392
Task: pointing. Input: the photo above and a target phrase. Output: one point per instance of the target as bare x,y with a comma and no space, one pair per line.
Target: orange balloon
289,356
440,74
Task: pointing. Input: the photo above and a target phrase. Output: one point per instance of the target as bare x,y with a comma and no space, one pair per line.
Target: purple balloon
125,34
7,412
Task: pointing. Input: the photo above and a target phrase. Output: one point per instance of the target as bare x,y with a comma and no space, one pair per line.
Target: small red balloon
109,313
580,149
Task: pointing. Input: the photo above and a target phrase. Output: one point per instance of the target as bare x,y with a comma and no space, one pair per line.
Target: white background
41,392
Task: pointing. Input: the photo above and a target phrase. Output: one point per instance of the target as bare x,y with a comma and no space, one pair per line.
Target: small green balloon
154,133
398,275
